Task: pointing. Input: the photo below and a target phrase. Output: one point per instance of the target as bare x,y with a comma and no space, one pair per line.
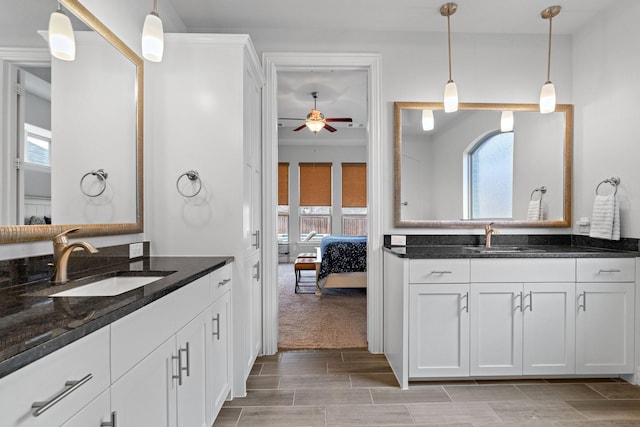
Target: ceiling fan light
314,125
450,97
152,38
62,43
506,121
548,98
428,122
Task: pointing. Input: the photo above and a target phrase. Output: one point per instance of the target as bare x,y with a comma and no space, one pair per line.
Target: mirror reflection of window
490,163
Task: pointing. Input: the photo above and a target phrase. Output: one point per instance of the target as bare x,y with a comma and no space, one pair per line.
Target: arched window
490,176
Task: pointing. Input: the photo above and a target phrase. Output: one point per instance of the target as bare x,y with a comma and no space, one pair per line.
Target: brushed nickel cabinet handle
466,302
224,282
112,423
441,272
611,270
216,320
179,359
69,387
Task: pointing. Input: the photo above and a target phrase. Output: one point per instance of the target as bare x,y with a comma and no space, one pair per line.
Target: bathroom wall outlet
397,240
583,221
136,250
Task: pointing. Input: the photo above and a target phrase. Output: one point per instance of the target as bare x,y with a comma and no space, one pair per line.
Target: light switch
398,240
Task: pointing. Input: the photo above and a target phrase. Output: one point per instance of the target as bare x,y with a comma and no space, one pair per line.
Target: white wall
606,61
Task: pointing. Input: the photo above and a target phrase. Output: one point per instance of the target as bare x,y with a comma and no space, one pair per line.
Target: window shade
283,184
315,184
354,185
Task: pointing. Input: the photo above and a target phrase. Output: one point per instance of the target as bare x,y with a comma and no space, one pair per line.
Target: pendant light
428,122
62,42
450,90
548,92
506,121
153,36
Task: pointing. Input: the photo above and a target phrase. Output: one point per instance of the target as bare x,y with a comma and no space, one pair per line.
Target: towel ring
542,190
191,175
102,177
613,181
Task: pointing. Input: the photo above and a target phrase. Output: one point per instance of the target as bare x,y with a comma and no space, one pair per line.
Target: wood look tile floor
356,388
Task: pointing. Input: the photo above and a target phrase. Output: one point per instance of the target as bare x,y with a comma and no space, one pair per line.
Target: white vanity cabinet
61,384
522,316
605,301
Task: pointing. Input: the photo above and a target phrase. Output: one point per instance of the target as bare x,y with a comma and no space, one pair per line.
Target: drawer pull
584,301
112,423
519,306
466,302
217,322
441,272
69,387
224,282
180,367
612,270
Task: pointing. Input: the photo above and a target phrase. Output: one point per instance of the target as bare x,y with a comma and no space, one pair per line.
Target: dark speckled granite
33,325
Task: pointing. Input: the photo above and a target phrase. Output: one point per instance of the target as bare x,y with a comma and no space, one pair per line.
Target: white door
146,395
219,369
438,330
549,329
604,328
496,329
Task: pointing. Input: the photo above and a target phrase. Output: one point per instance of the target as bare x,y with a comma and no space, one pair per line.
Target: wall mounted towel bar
613,181
542,190
192,176
102,175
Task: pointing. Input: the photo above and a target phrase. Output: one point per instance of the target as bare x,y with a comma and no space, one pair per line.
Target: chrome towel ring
613,181
102,178
192,176
542,191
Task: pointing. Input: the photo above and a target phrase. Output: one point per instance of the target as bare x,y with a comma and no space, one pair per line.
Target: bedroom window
490,176
315,200
283,202
354,199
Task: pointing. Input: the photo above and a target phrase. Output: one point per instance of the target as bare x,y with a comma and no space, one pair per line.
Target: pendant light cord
155,7
449,40
549,52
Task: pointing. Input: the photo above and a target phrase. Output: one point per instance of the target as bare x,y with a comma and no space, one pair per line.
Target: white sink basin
108,287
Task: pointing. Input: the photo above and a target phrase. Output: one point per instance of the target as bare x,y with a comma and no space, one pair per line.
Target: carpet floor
337,320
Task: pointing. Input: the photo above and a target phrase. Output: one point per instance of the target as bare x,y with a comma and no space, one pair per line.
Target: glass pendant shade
314,125
427,120
548,98
450,97
152,38
506,121
62,42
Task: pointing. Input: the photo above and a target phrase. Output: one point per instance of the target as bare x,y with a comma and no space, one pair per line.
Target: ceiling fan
316,121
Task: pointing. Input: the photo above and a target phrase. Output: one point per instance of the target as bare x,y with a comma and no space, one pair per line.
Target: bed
343,263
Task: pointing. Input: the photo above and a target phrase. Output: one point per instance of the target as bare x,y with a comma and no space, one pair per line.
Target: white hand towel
605,219
534,212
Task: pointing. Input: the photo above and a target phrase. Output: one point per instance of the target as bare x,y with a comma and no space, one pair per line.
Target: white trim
273,63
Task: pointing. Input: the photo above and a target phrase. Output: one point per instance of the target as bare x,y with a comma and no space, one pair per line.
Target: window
283,202
354,199
37,146
315,200
490,163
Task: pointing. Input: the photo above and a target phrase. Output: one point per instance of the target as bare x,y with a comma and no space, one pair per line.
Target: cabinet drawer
606,269
136,335
439,271
47,378
220,281
523,270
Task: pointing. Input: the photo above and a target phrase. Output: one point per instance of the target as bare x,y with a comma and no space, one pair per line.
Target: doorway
370,63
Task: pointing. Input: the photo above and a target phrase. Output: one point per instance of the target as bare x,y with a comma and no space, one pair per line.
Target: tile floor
356,388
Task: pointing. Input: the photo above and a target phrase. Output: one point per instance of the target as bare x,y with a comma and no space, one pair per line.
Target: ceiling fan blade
288,118
330,128
339,119
300,127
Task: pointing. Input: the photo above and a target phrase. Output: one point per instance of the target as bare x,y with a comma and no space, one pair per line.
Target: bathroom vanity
159,354
458,311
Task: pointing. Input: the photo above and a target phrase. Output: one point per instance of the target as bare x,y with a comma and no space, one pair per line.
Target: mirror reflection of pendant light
450,90
153,36
548,92
506,121
62,42
427,120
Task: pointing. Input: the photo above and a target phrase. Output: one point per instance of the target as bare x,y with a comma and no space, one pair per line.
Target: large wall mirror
87,170
463,170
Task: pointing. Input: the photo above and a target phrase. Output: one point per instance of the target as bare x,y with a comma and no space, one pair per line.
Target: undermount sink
113,285
505,249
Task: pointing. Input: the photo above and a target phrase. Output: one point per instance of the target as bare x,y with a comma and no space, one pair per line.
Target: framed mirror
467,170
96,124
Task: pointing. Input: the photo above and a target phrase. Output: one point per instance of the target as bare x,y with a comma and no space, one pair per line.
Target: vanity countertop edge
33,326
530,251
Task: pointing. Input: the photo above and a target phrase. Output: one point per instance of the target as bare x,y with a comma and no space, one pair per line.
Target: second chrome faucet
61,252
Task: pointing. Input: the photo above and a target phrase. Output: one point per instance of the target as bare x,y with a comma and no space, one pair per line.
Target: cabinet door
253,332
496,328
146,395
94,414
218,364
549,329
438,330
604,328
193,341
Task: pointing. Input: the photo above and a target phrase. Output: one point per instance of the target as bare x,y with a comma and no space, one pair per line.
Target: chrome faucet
488,231
61,252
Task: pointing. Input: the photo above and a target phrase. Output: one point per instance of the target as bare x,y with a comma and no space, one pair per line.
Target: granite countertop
506,251
33,324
